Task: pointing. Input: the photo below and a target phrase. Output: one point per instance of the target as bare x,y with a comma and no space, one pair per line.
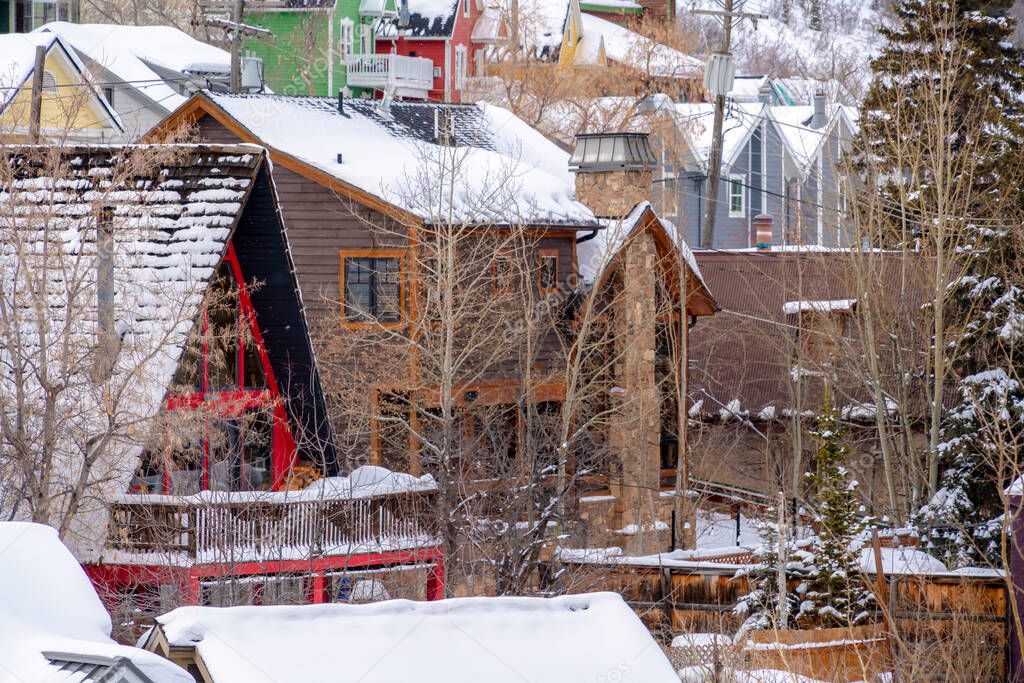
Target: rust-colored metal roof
748,351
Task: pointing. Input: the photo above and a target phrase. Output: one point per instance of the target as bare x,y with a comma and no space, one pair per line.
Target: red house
453,34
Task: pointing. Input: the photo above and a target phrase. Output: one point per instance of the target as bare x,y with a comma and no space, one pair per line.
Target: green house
322,46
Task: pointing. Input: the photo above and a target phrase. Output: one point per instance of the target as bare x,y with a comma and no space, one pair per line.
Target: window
49,83
372,286
465,8
460,66
504,273
843,199
108,95
346,37
737,196
366,39
548,278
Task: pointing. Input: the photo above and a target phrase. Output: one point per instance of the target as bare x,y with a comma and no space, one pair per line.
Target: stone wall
613,194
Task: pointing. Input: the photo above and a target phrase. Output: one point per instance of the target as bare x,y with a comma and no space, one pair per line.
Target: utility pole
728,16
235,84
36,107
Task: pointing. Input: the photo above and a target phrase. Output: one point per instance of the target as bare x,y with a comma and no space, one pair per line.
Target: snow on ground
49,605
589,637
901,561
706,674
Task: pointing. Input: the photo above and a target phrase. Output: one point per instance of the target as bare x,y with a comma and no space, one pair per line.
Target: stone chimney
820,117
613,171
761,232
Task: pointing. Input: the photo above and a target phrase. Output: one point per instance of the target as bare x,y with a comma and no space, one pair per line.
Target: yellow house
72,107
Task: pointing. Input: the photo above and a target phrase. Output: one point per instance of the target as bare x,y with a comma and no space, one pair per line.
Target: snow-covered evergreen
834,593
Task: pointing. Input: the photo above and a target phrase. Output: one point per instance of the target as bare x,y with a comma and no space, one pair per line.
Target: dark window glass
373,290
548,272
259,446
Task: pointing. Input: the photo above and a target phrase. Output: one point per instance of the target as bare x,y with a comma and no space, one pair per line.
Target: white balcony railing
410,76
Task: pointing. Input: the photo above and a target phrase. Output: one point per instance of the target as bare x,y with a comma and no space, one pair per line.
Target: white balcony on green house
408,76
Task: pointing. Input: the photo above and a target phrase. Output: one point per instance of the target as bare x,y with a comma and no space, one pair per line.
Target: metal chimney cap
596,152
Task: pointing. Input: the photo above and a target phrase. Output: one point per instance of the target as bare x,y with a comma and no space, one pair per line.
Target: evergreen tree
984,431
958,53
761,604
834,593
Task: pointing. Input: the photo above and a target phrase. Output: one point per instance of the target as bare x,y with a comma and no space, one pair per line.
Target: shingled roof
503,171
170,211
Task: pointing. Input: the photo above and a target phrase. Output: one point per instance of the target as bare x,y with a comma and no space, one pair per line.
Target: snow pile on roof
170,218
503,171
596,254
697,122
801,140
502,639
541,25
135,54
629,47
794,307
49,605
427,19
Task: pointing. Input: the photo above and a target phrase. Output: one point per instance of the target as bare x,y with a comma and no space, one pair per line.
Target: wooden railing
248,527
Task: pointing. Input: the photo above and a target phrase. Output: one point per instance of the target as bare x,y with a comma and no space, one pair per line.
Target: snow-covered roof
427,19
541,25
135,53
49,605
494,639
489,27
901,561
697,121
172,209
595,255
505,172
17,60
824,306
628,47
801,140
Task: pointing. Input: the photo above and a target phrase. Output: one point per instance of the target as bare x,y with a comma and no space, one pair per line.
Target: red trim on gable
234,402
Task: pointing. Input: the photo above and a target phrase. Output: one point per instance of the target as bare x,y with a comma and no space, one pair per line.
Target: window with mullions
737,196
373,288
548,281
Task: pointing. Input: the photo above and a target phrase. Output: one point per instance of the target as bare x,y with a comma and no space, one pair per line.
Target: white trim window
465,8
461,56
844,197
346,37
737,196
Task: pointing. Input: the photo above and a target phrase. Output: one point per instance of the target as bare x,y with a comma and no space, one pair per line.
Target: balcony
212,527
409,76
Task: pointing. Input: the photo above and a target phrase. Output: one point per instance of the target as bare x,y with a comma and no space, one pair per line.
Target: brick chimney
761,232
613,171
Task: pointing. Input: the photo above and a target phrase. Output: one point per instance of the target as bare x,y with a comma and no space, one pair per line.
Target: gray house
815,198
776,159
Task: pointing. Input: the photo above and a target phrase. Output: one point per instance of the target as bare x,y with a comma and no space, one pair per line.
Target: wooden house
346,197
220,489
454,36
560,37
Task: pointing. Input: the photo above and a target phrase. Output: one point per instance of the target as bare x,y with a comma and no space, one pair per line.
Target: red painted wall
434,49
